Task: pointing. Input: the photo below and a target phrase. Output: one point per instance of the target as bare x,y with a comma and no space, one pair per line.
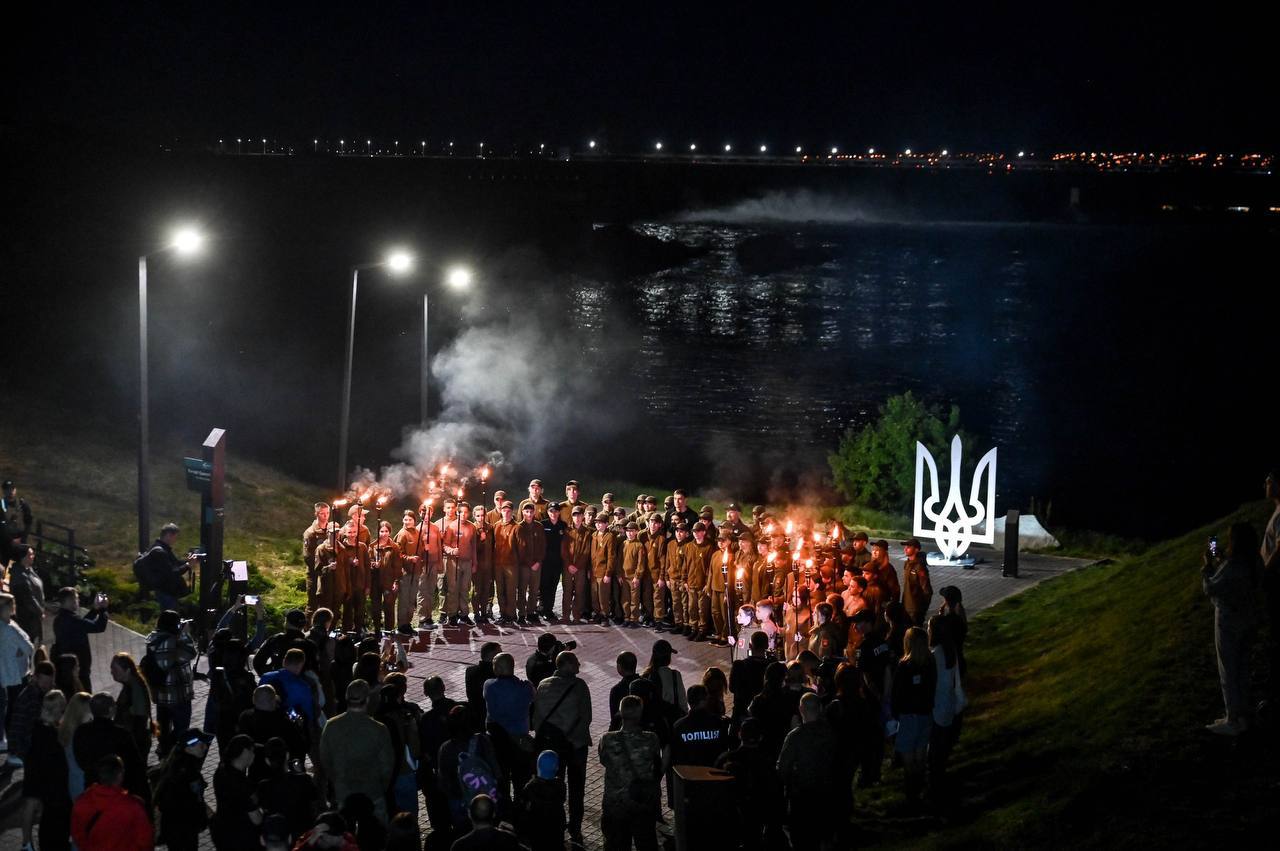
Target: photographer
172,650
160,571
542,663
71,631
1231,583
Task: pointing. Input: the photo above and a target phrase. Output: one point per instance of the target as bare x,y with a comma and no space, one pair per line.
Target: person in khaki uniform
330,582
697,563
572,499
482,570
352,579
358,516
602,568
733,522
457,548
576,556
536,500
633,570
410,570
917,589
506,562
719,578
531,550
618,526
673,564
655,556
312,537
494,517
607,506
384,572
767,577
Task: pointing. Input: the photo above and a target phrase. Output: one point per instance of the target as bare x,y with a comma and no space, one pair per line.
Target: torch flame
340,503
808,564
817,537
364,497
459,493
381,501
739,574
484,473
725,560
790,526
768,529
431,485
835,531
773,556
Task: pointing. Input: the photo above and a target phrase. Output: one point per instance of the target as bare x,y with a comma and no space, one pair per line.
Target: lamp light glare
187,241
399,261
459,277
591,144
728,148
658,146
764,148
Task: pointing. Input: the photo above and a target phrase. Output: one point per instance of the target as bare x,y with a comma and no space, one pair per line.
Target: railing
58,557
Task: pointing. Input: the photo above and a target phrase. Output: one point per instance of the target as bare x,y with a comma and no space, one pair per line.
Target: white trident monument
953,524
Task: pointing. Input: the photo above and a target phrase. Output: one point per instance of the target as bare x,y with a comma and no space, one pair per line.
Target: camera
251,599
1213,546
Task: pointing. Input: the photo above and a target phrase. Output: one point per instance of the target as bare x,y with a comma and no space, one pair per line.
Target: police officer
553,530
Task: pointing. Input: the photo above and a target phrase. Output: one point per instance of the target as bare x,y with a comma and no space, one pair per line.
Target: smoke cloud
799,207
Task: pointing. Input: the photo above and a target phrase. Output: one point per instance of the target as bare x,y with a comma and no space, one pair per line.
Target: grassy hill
1088,696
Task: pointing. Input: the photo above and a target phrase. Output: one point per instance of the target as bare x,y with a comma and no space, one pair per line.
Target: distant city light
944,152
797,149
693,147
1022,153
908,152
835,150
871,150
542,146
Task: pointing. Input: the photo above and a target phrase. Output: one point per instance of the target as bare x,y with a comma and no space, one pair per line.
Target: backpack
142,571
152,671
475,775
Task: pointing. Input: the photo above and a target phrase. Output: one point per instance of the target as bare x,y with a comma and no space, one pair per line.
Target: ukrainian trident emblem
954,523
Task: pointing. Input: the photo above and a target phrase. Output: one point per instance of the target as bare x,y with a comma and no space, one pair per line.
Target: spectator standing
28,592
948,707
15,519
231,691
133,705
267,720
466,742
807,772
917,589
953,607
172,650
477,675
541,808
562,722
746,676
402,720
1230,583
44,780
432,733
914,690
507,699
99,738
542,663
24,712
701,735
667,681
236,822
107,818
179,793
15,657
355,751
626,664
632,760
160,571
756,789
485,835
71,631
295,690
270,656
76,715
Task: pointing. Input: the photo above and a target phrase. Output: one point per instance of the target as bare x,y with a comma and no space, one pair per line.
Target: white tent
1031,534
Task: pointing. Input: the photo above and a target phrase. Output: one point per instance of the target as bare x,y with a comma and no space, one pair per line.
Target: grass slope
1088,696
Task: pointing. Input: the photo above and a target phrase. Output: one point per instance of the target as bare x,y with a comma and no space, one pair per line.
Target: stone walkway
446,653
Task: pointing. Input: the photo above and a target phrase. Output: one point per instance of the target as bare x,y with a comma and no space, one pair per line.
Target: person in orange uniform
384,572
655,558
482,570
535,499
572,499
429,548
633,570
457,545
506,562
602,568
410,571
312,537
494,517
697,564
719,577
352,576
576,555
532,549
330,581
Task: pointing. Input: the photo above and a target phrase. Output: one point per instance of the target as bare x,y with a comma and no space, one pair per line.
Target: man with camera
71,631
161,572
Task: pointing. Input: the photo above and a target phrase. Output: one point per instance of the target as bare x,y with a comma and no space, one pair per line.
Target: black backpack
143,571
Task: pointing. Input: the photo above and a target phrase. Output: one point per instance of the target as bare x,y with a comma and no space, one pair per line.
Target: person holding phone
71,631
1230,580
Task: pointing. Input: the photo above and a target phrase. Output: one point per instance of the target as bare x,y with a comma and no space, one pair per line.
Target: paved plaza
447,652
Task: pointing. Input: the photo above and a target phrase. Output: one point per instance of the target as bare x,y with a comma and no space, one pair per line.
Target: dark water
1118,369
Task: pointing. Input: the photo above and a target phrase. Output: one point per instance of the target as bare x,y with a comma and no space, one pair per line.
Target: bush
875,466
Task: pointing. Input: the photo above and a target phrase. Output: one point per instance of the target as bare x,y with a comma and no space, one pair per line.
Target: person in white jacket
15,657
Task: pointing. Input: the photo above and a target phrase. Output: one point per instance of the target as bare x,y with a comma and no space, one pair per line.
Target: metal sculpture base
937,559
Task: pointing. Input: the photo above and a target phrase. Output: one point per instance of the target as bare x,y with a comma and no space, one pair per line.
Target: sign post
211,478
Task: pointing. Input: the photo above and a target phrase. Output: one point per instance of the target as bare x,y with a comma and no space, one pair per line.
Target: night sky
962,76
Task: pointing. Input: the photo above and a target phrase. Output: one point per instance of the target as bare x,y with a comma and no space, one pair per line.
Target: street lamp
397,262
184,242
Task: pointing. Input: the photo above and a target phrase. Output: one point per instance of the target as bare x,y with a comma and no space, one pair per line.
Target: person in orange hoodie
107,818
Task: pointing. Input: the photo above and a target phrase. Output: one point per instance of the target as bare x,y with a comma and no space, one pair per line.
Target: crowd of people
840,662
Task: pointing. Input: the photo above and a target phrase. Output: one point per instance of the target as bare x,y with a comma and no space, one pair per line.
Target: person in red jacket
108,818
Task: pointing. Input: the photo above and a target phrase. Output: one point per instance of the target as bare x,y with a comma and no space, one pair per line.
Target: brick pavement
447,652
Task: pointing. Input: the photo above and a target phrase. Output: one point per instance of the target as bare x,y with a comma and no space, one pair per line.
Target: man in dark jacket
755,783
160,571
542,663
554,529
808,773
267,720
71,631
476,676
100,738
270,656
626,663
180,792
746,677
701,736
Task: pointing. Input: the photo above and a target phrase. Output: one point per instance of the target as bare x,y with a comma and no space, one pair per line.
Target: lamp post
185,242
398,262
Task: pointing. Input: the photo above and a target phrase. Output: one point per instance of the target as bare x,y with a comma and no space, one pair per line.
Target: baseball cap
733,506
912,542
663,644
578,509
602,519
882,544
607,497
860,536
572,483
631,524
553,506
537,482
508,504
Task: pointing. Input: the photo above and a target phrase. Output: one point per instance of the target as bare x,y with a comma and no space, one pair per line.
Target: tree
876,465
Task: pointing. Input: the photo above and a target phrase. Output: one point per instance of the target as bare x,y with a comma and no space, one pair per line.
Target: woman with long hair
77,713
948,704
133,705
66,676
717,685
914,686
1231,582
44,780
667,682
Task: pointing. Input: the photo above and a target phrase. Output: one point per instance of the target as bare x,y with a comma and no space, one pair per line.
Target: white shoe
1222,728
